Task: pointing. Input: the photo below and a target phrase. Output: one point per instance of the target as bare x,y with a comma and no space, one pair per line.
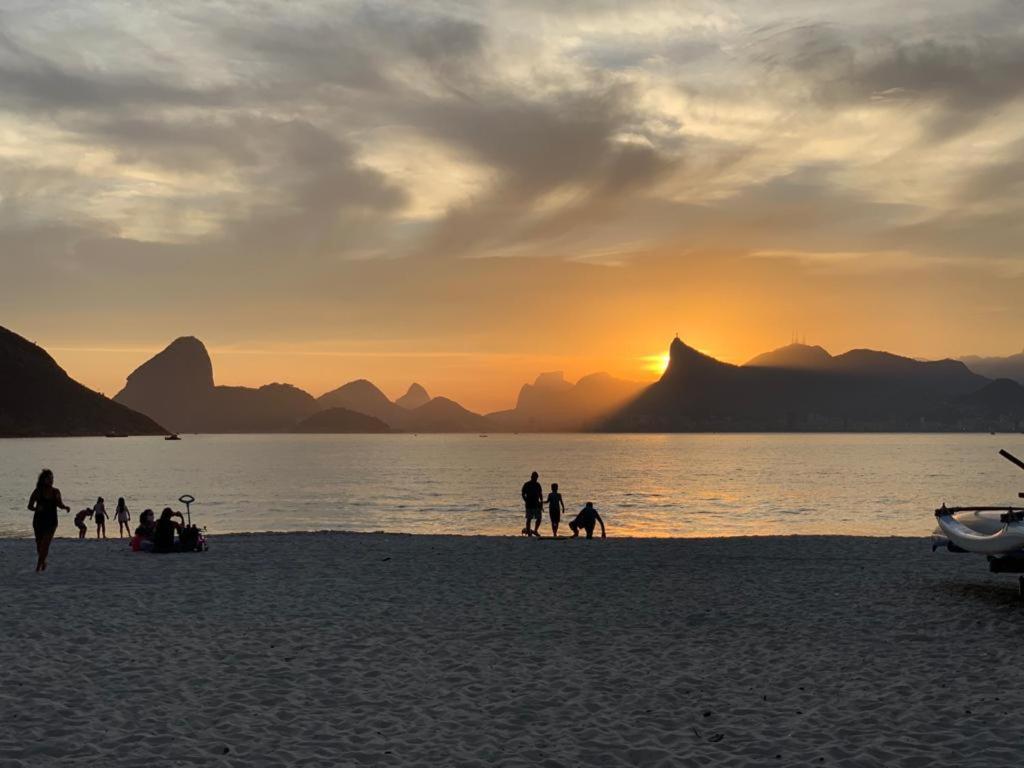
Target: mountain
434,415
362,396
860,390
1011,367
1001,400
38,399
340,421
950,376
552,404
794,356
176,387
414,397
270,408
444,415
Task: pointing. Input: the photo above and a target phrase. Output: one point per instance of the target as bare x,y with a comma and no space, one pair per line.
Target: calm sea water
646,485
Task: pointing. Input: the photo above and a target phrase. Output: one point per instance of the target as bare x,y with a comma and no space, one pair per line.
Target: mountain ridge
860,390
39,399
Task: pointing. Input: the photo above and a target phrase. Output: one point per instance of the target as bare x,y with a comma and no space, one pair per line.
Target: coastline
401,649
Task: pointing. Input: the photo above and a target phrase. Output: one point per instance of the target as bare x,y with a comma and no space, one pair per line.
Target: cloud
957,76
262,146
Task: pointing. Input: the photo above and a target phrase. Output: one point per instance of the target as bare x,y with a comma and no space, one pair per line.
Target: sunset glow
470,195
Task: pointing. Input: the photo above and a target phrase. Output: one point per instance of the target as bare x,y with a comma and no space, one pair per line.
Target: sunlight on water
644,485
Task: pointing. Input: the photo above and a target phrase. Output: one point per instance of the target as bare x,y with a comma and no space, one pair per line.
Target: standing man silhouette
533,497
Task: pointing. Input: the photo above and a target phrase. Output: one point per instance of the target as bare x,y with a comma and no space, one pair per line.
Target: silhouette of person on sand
80,522
533,496
44,503
123,516
555,508
99,516
166,527
586,519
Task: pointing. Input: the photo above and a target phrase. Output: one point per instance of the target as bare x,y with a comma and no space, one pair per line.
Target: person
142,541
123,516
80,522
555,508
44,503
585,520
146,523
166,526
533,496
99,515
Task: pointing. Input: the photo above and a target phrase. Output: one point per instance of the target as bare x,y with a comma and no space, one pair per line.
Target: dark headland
38,399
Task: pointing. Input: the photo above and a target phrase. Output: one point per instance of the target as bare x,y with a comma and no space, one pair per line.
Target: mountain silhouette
798,356
860,390
439,414
364,397
270,408
950,376
793,388
1010,367
1002,399
444,415
176,387
39,399
552,404
340,421
414,397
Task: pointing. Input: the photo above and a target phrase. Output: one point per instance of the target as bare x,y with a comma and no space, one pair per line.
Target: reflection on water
645,485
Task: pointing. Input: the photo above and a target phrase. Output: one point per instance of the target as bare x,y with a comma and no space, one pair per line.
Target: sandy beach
373,649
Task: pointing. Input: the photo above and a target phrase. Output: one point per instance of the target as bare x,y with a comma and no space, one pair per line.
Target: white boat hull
982,532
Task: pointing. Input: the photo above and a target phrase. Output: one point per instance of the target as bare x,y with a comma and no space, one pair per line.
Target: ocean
643,485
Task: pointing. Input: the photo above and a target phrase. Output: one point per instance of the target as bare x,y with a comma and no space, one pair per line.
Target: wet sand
364,649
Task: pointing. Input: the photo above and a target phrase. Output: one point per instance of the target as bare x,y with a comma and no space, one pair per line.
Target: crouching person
586,519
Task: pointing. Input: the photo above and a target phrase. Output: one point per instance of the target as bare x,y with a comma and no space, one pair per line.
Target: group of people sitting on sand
533,497
158,535
151,535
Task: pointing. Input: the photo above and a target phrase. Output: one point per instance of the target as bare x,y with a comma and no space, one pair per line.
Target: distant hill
270,408
414,397
802,389
363,396
1002,399
1010,367
552,404
176,388
795,356
438,414
950,376
444,415
38,399
340,421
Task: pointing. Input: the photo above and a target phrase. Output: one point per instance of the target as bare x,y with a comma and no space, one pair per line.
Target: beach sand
373,649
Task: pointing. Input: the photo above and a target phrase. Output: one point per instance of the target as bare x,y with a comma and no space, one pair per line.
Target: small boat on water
172,437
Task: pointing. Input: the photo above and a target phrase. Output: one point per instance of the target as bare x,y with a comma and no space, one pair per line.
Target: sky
465,194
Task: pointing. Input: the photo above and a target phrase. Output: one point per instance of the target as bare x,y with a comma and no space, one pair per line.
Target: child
585,520
122,515
555,508
99,514
80,522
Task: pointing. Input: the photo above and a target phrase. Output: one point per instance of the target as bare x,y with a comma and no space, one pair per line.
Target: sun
656,363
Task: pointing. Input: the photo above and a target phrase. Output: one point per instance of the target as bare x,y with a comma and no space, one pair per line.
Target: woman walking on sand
44,503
